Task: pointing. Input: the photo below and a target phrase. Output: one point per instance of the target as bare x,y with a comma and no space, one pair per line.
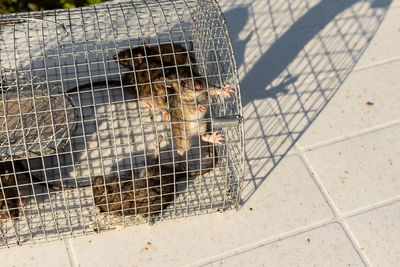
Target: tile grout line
376,64
365,67
378,205
350,135
338,216
258,244
70,251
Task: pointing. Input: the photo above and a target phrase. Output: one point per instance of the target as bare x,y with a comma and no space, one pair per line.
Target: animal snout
198,84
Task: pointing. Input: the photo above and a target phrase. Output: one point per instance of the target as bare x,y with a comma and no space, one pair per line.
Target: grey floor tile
349,112
41,254
325,246
360,171
378,234
287,200
384,45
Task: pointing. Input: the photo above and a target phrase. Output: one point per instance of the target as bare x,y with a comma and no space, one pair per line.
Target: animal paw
228,90
149,104
166,116
201,108
215,138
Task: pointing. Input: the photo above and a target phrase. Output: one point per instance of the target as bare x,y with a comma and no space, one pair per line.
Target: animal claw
218,138
215,138
149,104
201,108
165,116
228,90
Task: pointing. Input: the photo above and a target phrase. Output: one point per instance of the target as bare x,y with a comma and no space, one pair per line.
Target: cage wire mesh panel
116,114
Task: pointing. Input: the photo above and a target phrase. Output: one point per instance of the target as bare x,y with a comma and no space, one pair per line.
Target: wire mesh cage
116,114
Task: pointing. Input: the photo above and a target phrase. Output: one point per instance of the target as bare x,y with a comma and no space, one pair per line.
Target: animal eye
183,83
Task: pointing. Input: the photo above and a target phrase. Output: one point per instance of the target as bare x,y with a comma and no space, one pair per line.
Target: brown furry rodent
145,84
169,54
151,63
187,93
188,105
146,195
146,81
10,200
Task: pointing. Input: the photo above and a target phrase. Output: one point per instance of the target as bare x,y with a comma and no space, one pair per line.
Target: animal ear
98,180
172,83
142,174
8,177
139,58
22,202
159,86
138,55
123,54
125,58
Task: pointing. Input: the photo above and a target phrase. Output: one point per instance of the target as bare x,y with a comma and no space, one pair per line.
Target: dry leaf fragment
369,104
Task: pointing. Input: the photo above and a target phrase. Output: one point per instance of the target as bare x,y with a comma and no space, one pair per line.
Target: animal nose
198,84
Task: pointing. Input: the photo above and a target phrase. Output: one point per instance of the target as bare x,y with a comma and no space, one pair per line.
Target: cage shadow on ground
299,55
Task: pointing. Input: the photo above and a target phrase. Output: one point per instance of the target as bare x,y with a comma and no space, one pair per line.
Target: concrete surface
322,184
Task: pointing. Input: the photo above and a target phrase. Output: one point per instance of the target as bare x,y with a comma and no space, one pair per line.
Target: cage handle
227,122
37,19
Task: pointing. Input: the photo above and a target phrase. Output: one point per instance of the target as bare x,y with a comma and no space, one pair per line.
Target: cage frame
234,119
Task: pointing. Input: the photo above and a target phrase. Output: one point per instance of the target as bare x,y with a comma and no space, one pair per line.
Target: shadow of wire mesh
298,53
68,138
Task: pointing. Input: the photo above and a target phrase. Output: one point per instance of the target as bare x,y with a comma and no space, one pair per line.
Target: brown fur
10,200
147,80
134,196
150,87
170,54
188,105
150,73
184,108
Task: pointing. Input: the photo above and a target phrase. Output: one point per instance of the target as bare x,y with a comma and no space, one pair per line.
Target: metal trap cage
116,114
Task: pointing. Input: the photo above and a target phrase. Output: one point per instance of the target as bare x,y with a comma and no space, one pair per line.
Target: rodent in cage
88,87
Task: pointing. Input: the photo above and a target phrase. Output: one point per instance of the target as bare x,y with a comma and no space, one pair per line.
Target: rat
146,59
170,54
146,82
10,200
154,188
178,71
188,105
